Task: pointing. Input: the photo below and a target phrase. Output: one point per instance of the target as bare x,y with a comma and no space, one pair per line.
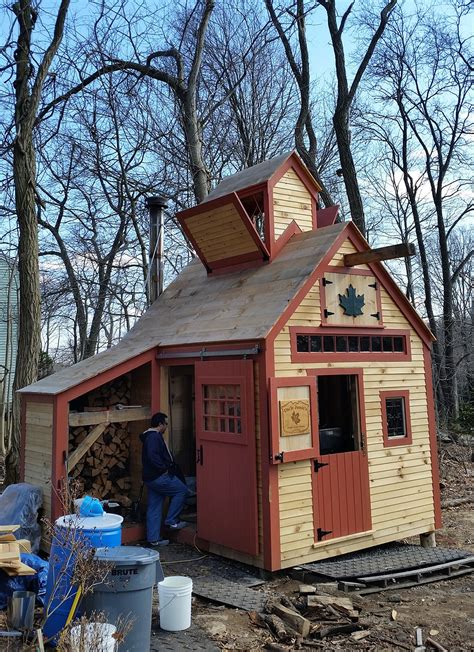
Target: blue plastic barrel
72,533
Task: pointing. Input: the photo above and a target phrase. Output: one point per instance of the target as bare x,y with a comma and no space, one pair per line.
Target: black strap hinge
327,312
376,315
319,465
373,285
322,533
326,281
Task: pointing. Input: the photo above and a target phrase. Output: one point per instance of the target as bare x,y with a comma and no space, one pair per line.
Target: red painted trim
348,371
348,356
291,230
327,216
357,271
303,454
396,441
60,451
231,198
269,219
305,176
310,281
392,288
314,212
228,269
155,379
270,488
250,190
109,374
331,269
432,435
235,261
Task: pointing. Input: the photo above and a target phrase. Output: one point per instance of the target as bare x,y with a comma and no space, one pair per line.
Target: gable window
344,344
396,424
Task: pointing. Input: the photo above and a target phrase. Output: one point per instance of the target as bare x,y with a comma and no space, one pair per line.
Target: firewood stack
104,469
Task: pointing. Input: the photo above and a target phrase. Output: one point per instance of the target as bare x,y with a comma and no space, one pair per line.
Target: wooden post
382,253
428,540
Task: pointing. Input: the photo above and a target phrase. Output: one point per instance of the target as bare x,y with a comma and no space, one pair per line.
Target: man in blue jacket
159,474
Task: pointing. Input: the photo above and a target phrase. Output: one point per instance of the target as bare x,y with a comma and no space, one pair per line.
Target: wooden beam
84,446
382,253
109,416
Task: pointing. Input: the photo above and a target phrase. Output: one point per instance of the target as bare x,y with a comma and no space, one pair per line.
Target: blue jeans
165,485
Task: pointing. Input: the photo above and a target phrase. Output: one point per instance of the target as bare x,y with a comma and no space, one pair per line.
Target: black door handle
200,455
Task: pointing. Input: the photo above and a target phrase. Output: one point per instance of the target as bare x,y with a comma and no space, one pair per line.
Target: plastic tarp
35,583
19,505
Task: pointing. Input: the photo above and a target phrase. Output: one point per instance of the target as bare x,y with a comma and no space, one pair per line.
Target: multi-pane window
396,417
333,343
222,409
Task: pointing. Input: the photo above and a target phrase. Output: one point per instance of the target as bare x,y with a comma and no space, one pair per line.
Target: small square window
341,343
365,343
387,343
328,343
376,344
353,344
316,344
398,345
302,343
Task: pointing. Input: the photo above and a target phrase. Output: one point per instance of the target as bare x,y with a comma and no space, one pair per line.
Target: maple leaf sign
352,302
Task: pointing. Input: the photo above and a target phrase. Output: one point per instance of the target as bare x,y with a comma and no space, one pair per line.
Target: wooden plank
84,446
109,416
403,250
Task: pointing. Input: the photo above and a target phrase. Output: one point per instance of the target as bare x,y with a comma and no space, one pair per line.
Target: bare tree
298,59
425,89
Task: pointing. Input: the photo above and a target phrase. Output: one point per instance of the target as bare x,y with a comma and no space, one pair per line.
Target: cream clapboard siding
38,448
400,477
291,201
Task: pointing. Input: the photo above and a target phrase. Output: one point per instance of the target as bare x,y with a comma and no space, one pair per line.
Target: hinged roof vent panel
222,233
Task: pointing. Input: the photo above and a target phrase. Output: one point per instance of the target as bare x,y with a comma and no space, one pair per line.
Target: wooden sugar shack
295,373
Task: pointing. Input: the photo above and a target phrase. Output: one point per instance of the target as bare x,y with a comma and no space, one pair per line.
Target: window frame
407,439
349,356
304,453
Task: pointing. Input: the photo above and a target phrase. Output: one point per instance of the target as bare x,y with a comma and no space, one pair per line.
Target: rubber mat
385,559
230,593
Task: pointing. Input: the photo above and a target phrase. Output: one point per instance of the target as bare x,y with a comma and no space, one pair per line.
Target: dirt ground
443,610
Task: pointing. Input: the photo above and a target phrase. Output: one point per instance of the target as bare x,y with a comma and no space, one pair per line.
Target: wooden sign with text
295,418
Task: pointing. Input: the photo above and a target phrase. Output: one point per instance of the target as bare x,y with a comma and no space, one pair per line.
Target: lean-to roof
200,309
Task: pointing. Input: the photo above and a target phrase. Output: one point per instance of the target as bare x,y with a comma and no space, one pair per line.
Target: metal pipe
156,206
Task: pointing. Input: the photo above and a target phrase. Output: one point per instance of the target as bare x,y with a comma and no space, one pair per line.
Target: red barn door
226,473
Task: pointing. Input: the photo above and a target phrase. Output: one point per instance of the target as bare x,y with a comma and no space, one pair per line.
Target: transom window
222,409
333,343
396,417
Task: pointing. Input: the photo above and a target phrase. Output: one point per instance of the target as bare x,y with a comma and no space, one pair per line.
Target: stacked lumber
10,548
104,469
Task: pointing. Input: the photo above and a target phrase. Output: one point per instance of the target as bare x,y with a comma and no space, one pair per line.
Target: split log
296,621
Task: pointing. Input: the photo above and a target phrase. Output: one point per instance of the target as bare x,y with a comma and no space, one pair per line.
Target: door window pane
222,408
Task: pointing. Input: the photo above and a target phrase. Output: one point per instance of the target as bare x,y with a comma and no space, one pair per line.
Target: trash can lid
127,555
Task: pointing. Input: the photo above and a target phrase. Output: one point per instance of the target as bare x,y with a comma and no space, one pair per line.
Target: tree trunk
29,342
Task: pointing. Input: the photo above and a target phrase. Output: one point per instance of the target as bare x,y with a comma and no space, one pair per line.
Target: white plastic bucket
95,637
175,603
